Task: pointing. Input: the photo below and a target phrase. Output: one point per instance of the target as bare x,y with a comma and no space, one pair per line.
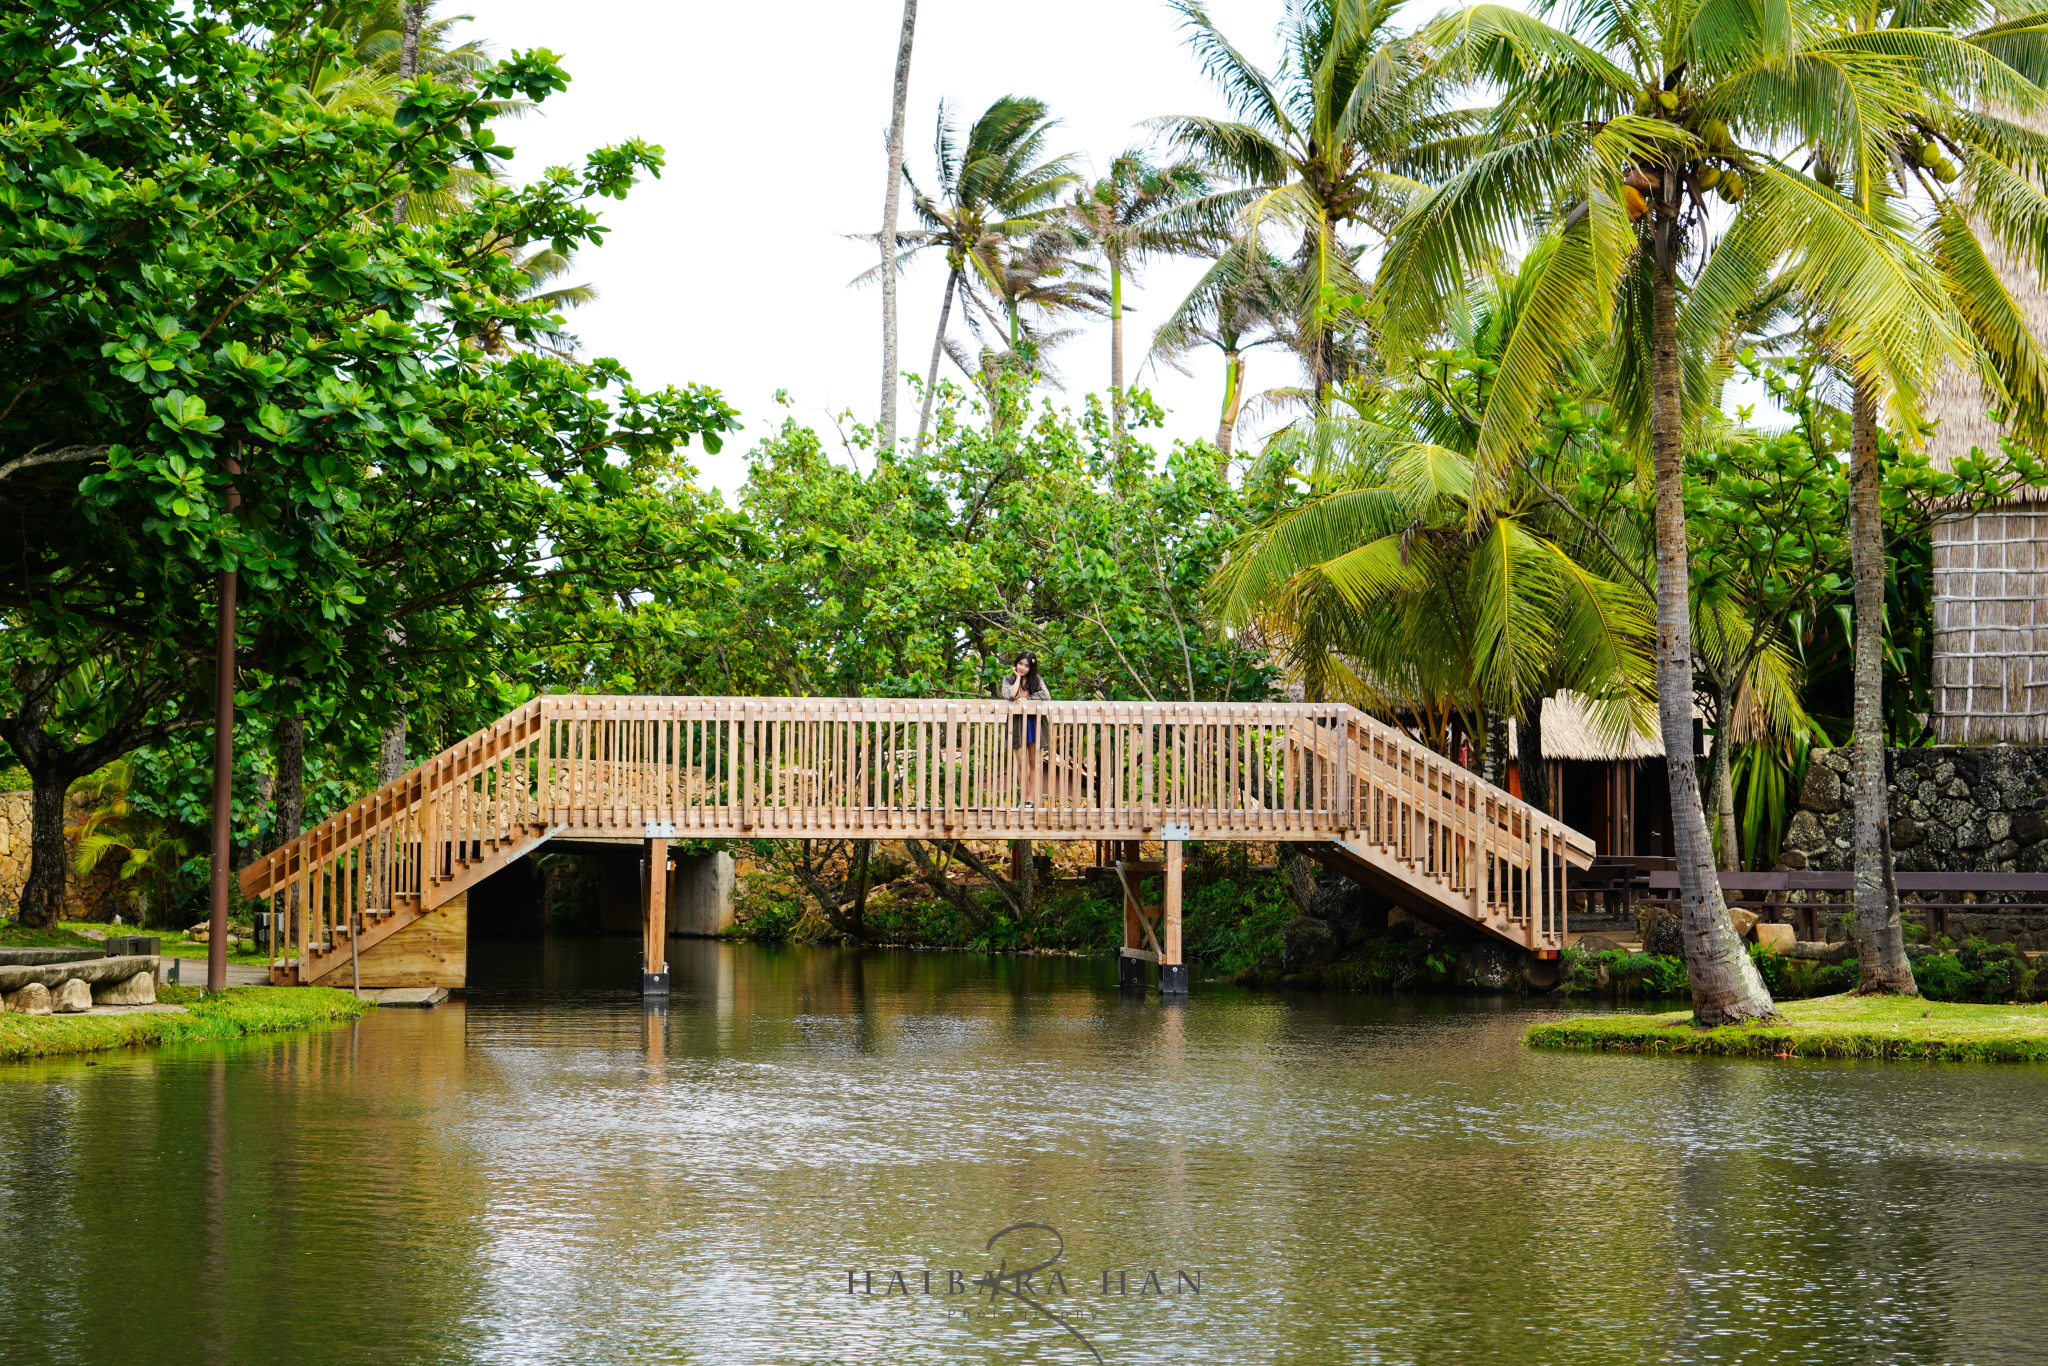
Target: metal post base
1173,979
1130,974
654,984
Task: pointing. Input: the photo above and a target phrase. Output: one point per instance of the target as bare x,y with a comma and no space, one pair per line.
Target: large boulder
1663,931
71,998
1306,945
1775,938
1486,965
33,999
139,990
1348,909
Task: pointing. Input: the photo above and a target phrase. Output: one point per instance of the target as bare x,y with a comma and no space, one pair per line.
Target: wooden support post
1173,974
1130,972
654,921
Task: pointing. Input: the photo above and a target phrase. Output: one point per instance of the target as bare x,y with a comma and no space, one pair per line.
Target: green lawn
230,1014
67,935
1826,1027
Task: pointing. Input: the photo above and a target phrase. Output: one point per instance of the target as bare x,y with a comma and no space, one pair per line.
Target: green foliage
1978,971
921,575
230,350
1621,973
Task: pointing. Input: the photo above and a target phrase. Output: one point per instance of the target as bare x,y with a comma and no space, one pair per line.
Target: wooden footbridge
394,869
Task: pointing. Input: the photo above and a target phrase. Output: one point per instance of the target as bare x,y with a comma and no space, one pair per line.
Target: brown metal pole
223,770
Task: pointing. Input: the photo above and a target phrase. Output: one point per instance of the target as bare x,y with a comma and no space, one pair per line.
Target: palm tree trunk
890,382
1725,984
1116,346
924,418
1233,399
1880,939
411,17
1529,755
1728,842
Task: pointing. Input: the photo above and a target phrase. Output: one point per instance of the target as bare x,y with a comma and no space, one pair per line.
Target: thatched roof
1571,730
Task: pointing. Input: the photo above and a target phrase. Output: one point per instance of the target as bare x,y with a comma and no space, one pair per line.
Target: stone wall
1955,809
84,898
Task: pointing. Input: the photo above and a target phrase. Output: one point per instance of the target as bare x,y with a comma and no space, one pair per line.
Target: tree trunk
1529,756
1725,984
890,381
1494,764
1724,790
931,384
1880,938
291,780
1233,400
42,898
1116,347
391,763
935,877
1294,872
410,19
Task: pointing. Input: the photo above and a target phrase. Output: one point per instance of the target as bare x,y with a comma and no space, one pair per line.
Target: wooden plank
1170,952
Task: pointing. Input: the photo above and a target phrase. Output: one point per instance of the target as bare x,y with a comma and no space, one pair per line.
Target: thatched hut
1609,786
1990,571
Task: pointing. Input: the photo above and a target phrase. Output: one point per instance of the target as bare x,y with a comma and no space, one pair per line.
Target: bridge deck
1425,830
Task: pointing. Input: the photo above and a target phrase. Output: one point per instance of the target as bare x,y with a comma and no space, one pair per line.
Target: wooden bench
1767,894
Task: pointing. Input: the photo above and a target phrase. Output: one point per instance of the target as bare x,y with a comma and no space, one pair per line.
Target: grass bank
1827,1027
231,1014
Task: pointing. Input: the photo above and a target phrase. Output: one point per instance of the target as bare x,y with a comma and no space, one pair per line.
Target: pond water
547,1172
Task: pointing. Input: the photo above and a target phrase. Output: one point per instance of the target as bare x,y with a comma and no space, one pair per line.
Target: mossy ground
1827,1027
231,1014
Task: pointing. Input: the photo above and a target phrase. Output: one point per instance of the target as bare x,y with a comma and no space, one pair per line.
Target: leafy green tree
212,317
1614,126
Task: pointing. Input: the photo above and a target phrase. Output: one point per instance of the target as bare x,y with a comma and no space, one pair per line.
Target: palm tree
1119,217
997,186
891,381
1416,587
541,269
1614,128
1339,139
1970,59
1241,302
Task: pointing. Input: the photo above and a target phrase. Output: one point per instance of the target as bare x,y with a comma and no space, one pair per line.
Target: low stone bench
73,984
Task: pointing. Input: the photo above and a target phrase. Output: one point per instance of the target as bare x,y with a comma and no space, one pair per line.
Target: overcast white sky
732,269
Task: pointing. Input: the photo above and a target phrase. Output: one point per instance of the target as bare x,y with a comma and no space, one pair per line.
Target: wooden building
1990,568
1613,789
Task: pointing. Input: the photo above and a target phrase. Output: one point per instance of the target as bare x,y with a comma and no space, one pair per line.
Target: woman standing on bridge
1024,685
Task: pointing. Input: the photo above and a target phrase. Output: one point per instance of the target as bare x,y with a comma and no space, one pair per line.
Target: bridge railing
783,767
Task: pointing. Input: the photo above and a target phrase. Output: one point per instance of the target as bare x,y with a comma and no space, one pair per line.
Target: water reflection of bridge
393,870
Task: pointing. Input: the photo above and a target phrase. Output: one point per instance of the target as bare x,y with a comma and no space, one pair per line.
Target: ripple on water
549,1172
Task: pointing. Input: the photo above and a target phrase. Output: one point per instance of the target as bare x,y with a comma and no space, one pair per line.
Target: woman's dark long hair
1032,682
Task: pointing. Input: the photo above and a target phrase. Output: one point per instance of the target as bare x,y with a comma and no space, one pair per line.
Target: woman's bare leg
1031,774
